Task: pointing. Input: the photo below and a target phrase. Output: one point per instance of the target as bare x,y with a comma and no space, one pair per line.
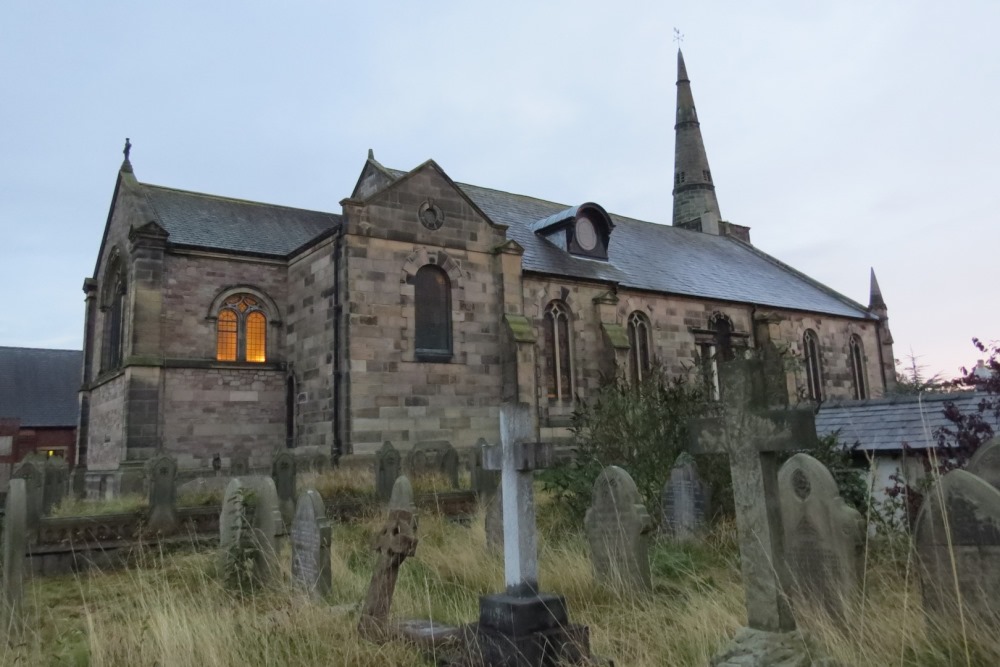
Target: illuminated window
638,340
432,303
856,356
558,346
814,372
241,330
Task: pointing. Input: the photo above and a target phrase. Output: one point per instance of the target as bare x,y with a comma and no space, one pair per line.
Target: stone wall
106,437
209,411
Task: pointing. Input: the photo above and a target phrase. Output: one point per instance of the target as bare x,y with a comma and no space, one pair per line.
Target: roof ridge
40,349
236,199
898,399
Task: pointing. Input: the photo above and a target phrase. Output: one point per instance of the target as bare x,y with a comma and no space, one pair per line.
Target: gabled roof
40,386
235,225
662,258
885,424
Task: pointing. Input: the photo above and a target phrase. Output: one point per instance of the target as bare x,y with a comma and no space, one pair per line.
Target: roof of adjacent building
885,424
235,225
39,386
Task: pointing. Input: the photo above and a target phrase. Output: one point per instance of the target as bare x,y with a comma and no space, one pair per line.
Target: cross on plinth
752,440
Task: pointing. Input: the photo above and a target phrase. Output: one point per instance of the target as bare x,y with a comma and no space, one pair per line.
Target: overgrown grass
171,609
70,506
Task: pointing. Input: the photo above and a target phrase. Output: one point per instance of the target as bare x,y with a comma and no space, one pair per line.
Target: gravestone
12,551
248,528
55,484
239,464
311,536
685,501
436,457
31,470
823,537
396,542
162,471
618,527
484,482
387,469
283,470
494,520
985,463
960,538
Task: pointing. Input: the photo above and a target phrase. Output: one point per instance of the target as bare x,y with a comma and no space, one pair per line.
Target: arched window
432,302
814,372
718,348
241,330
559,354
859,378
639,345
114,316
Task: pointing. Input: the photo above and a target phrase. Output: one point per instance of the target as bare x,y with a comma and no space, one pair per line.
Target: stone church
220,330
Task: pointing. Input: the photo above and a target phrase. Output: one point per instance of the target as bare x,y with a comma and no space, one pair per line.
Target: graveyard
319,586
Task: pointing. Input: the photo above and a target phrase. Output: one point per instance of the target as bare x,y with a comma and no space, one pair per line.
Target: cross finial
128,148
678,37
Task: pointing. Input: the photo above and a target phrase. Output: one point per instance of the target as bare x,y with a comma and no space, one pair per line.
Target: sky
847,135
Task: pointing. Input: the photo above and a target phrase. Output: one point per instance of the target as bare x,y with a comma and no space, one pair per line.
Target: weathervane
678,37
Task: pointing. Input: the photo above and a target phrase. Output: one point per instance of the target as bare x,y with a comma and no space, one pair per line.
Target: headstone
283,471
685,501
55,484
437,457
522,626
494,520
985,463
484,482
823,536
311,536
957,536
618,526
12,552
396,542
387,469
162,494
31,470
239,464
248,528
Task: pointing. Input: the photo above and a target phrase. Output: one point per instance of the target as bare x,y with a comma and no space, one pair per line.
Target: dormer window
583,230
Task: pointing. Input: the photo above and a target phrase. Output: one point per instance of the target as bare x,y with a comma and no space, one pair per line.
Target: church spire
695,204
875,299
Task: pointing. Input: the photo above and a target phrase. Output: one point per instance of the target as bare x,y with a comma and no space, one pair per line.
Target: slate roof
883,424
663,258
221,223
40,386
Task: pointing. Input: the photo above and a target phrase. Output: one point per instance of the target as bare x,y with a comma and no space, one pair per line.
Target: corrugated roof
220,223
884,424
663,258
40,386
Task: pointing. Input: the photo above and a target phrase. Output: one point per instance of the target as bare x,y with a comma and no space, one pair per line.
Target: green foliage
639,427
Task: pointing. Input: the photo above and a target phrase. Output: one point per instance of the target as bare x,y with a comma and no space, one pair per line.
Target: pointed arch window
241,330
432,305
718,348
112,344
856,357
639,336
559,351
814,370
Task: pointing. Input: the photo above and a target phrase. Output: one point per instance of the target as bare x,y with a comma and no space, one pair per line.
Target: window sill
433,356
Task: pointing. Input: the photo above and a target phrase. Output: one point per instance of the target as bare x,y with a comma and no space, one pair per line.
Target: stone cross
396,542
752,441
311,536
516,458
12,551
162,494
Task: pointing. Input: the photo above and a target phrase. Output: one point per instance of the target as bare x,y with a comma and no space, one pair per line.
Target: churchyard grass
170,609
124,504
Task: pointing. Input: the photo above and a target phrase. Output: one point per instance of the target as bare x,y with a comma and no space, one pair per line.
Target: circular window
430,215
586,235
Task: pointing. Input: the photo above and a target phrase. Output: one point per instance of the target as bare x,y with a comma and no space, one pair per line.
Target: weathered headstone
396,542
55,484
311,536
958,544
239,464
248,528
32,471
387,469
618,526
823,536
283,471
685,501
985,463
12,552
162,472
494,520
484,482
436,457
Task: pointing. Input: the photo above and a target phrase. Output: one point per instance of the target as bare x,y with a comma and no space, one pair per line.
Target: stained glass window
241,330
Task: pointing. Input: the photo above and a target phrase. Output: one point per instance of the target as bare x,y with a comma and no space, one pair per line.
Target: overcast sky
845,134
